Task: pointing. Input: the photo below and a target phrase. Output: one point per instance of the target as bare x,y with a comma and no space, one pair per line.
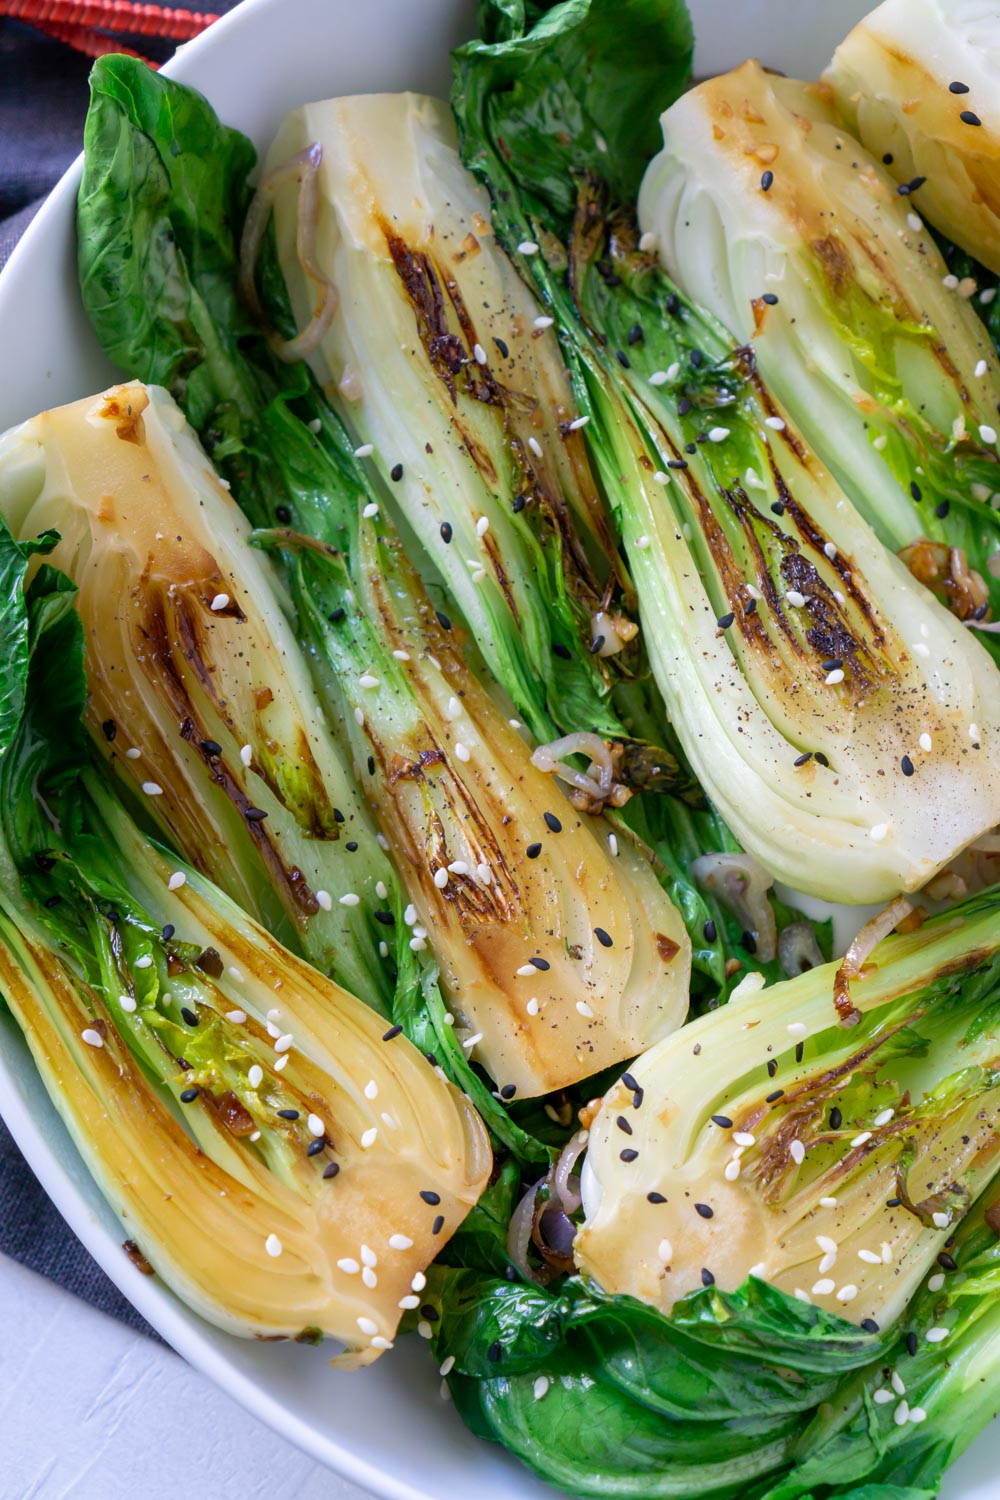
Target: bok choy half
257,1130
804,670
835,283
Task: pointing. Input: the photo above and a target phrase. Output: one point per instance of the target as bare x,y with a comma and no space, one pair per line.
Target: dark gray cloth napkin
43,100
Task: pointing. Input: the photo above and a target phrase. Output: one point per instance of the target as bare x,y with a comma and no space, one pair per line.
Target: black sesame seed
723,1121
331,1169
552,822
709,931
255,815
211,747
623,359
778,508
766,179
110,729
906,765
533,850
697,358
772,1066
749,941
836,1118
51,901
821,759
518,504
629,1154
800,760
438,1224
351,846
188,1095
563,652
833,664
704,1210
750,607
673,304
888,158
315,1147
623,1124
771,1098
677,463
190,1016
430,1197
495,1352
184,1065
540,963
446,531
958,88
283,514
947,1262
916,491
893,1202
502,346
288,1114
604,938
981,610
596,645
942,510
394,1031
443,620
508,1091
770,298
655,1198
371,765
385,917
707,1279
869,1325
167,932
800,1048
969,117
911,1344
337,615
724,621
396,473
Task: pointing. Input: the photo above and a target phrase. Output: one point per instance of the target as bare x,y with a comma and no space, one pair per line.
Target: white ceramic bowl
387,1428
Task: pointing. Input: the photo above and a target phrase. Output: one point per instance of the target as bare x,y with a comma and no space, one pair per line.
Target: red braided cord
113,15
89,42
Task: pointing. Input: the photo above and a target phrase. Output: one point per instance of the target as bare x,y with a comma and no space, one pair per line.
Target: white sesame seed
369,1278
145,962
272,1030
823,1287
424,1329
743,1138
255,1075
480,354
283,1042
381,1342
127,1002
826,1244
941,1221
658,377
718,434
526,971
950,281
152,789
869,1257
472,1041
408,1303
828,1203
359,717
936,1282
133,754
387,1119
348,1266
381,890
897,1383
886,1253
878,832
936,1335
371,1089
732,1169
796,1028
777,423
902,1414
419,1281
973,731
281,1062
917,1414
91,1037
369,1138
665,1251
401,655
441,878
883,1117
981,368
830,550
325,900
528,247
642,542
220,601
544,322
584,1009
401,1242
368,680
368,1256
447,1366
882,1396
802,1296
795,599
540,1387
236,1016
797,1152
613,845
535,447
988,294
176,880
482,525
273,1246
367,1326
364,451
370,511
847,1293
315,1125
383,949
859,1140
987,433
880,443
828,1262
532,1007
350,899
915,222
648,241
832,678
461,751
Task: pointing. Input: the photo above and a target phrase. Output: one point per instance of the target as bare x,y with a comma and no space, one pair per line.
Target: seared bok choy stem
257,1130
916,81
198,692
831,1160
805,671
837,286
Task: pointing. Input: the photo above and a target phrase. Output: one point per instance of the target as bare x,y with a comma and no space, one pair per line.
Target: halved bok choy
199,695
837,286
284,1162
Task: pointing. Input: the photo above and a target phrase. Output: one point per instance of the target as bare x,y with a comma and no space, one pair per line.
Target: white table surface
91,1410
